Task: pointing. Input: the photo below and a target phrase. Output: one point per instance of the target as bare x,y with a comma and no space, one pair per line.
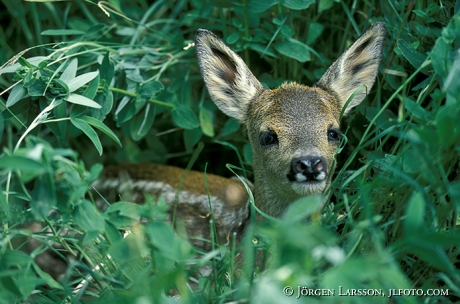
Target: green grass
393,214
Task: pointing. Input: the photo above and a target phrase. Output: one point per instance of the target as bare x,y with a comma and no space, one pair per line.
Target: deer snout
308,169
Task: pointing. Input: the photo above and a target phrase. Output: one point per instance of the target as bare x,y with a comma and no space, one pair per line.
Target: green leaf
86,128
441,58
135,77
433,255
105,99
192,137
94,173
384,120
150,88
61,32
87,217
61,84
29,79
231,126
262,49
294,49
412,161
37,89
22,164
324,5
415,214
124,101
107,70
112,234
162,236
412,55
5,207
79,81
286,31
233,37
16,257
96,28
16,94
47,277
447,124
32,60
257,6
302,208
91,90
82,100
2,125
142,122
415,109
129,255
297,4
315,30
123,214
206,122
126,112
43,197
70,71
184,117
24,62
101,127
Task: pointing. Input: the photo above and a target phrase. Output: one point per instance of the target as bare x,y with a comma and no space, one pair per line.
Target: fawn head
294,129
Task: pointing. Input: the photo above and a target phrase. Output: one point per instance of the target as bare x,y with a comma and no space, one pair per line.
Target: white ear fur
229,81
357,66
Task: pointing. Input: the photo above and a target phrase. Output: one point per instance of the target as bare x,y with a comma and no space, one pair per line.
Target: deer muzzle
309,169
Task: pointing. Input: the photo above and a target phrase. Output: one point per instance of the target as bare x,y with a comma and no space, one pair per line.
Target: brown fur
301,117
225,198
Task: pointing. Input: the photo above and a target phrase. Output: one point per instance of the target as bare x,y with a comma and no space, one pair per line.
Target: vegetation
85,84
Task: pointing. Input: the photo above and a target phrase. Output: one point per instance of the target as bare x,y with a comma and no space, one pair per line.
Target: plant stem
152,100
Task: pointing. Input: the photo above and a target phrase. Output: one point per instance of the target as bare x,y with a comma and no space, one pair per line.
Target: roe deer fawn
294,133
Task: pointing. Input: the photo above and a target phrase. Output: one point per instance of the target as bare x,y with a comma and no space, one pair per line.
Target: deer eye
268,138
333,135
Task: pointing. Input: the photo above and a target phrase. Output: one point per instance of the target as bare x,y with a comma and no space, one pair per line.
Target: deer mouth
308,187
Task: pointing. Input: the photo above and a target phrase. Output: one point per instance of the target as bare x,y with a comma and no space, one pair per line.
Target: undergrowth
85,84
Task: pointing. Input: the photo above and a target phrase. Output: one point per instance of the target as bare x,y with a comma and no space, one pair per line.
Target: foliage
87,84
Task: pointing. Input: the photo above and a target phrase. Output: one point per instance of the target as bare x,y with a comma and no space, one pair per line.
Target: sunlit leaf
87,217
61,32
79,81
206,122
86,128
16,94
32,60
101,127
82,100
184,117
22,164
70,71
192,137
142,122
294,49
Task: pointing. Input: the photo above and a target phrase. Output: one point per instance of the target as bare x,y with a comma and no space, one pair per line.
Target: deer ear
229,81
357,66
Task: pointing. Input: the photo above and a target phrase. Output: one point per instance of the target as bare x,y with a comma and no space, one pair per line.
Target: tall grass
85,84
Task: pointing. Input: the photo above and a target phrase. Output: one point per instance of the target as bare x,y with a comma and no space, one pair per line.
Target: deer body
196,202
293,130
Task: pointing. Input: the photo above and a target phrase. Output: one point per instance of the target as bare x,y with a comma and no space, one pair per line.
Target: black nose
309,168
